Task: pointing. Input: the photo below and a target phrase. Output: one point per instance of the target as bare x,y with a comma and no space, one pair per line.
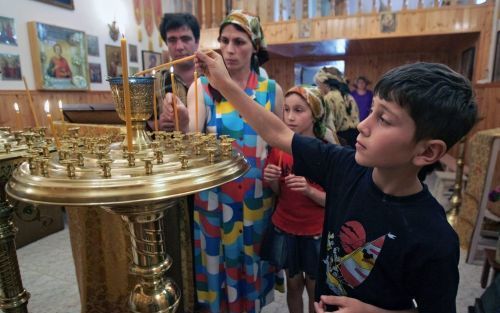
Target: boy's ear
430,152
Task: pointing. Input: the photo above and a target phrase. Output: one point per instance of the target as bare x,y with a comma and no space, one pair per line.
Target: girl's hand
272,173
298,183
167,118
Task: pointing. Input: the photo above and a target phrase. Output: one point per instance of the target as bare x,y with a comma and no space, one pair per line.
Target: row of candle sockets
72,155
27,139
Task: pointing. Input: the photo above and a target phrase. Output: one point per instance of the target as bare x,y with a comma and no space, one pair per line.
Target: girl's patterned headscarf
251,25
313,98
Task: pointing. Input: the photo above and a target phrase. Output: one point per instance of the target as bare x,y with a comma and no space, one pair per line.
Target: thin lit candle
62,115
126,93
196,99
18,116
155,110
51,124
174,104
32,107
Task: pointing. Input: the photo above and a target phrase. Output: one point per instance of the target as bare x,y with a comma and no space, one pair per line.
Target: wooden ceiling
338,48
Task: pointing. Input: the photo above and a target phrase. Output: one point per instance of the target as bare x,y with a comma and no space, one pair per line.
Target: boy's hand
167,118
344,304
298,183
350,305
211,64
272,173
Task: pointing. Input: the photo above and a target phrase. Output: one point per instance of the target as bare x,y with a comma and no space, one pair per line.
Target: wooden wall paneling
448,20
481,69
262,11
8,97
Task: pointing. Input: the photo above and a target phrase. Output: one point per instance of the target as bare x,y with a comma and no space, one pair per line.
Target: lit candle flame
60,105
47,107
154,72
16,107
171,69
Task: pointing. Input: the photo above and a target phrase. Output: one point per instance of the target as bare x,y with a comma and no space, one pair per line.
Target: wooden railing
211,12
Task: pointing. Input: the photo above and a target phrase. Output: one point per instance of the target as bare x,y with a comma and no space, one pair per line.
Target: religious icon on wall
150,59
113,61
95,73
10,66
388,22
93,45
67,4
59,57
132,51
7,31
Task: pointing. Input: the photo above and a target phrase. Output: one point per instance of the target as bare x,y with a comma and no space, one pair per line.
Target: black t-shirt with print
380,249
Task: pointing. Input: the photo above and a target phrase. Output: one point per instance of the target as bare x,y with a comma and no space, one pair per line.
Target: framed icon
59,57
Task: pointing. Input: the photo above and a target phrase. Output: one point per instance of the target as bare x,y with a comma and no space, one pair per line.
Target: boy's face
386,137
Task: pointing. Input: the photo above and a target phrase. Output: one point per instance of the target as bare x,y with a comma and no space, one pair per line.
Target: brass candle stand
14,146
140,186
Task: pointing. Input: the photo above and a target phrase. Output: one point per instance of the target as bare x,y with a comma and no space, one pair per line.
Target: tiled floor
48,274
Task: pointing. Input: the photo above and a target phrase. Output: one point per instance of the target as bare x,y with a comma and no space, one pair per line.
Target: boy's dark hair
172,21
439,100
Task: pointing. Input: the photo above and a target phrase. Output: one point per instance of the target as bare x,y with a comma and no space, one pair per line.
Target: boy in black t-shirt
386,242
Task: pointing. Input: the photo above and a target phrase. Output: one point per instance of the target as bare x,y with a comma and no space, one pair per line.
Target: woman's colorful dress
231,219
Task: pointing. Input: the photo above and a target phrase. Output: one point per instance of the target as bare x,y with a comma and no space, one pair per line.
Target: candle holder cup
141,107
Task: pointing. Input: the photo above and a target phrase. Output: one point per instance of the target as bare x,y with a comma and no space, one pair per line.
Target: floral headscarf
313,98
332,77
251,25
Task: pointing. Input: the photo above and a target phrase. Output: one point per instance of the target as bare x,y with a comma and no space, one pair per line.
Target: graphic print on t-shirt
349,258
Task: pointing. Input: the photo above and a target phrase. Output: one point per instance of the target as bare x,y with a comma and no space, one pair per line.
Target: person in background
230,220
344,115
292,241
181,34
363,97
386,243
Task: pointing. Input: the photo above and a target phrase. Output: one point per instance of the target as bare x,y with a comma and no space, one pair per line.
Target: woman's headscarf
332,77
250,25
312,96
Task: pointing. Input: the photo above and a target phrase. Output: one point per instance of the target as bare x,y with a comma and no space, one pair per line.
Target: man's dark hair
440,101
172,21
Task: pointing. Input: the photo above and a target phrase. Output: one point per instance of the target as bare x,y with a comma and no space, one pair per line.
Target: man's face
181,42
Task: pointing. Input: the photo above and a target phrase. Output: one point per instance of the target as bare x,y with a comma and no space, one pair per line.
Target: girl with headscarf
293,240
229,221
344,113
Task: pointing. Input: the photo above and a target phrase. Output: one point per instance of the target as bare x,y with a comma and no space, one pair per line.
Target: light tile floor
48,274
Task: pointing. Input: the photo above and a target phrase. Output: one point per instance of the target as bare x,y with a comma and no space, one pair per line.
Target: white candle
51,123
18,116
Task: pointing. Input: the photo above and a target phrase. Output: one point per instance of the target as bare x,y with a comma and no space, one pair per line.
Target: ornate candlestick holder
141,102
140,186
13,145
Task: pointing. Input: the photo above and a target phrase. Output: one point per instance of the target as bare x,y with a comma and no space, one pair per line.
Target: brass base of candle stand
13,296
